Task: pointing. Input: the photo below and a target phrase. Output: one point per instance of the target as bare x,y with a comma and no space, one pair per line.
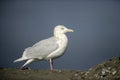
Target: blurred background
96,24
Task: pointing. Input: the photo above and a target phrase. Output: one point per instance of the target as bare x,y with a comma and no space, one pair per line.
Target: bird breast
62,42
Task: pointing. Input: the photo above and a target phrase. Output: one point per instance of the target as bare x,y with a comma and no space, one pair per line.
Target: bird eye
62,28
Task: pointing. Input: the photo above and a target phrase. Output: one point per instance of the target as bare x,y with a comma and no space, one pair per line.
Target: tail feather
19,59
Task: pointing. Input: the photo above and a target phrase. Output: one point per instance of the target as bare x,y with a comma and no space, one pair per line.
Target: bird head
60,29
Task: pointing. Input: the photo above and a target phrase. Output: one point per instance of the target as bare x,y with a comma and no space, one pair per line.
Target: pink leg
51,64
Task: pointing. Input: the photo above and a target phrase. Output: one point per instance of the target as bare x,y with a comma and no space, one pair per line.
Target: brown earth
109,70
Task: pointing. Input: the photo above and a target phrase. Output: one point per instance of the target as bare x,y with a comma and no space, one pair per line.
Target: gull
47,49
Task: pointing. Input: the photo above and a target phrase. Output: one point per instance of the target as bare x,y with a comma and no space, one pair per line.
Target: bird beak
70,30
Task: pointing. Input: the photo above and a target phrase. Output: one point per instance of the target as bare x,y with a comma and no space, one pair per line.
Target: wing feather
41,49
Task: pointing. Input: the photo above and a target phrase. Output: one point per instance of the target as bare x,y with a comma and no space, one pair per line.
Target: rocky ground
109,70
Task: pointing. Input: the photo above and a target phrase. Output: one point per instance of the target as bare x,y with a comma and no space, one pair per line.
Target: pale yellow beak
70,30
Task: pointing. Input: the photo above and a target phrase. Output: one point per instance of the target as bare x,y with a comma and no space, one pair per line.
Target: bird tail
19,59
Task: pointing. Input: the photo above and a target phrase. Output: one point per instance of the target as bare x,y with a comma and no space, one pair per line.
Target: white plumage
47,49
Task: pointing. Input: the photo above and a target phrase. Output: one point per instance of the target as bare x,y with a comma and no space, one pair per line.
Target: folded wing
41,49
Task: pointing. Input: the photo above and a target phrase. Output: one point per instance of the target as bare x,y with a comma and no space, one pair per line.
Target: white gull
47,49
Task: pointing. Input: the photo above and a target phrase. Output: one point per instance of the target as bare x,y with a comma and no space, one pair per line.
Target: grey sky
96,25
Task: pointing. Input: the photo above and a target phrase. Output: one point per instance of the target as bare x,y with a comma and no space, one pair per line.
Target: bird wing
41,49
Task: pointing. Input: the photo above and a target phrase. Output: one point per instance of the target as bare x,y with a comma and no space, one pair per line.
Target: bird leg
51,64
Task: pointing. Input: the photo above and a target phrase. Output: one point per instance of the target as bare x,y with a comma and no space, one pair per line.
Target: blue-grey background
96,24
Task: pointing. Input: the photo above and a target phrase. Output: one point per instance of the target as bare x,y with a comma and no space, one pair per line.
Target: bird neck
60,35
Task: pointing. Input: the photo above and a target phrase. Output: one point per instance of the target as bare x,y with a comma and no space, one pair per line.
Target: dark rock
109,70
